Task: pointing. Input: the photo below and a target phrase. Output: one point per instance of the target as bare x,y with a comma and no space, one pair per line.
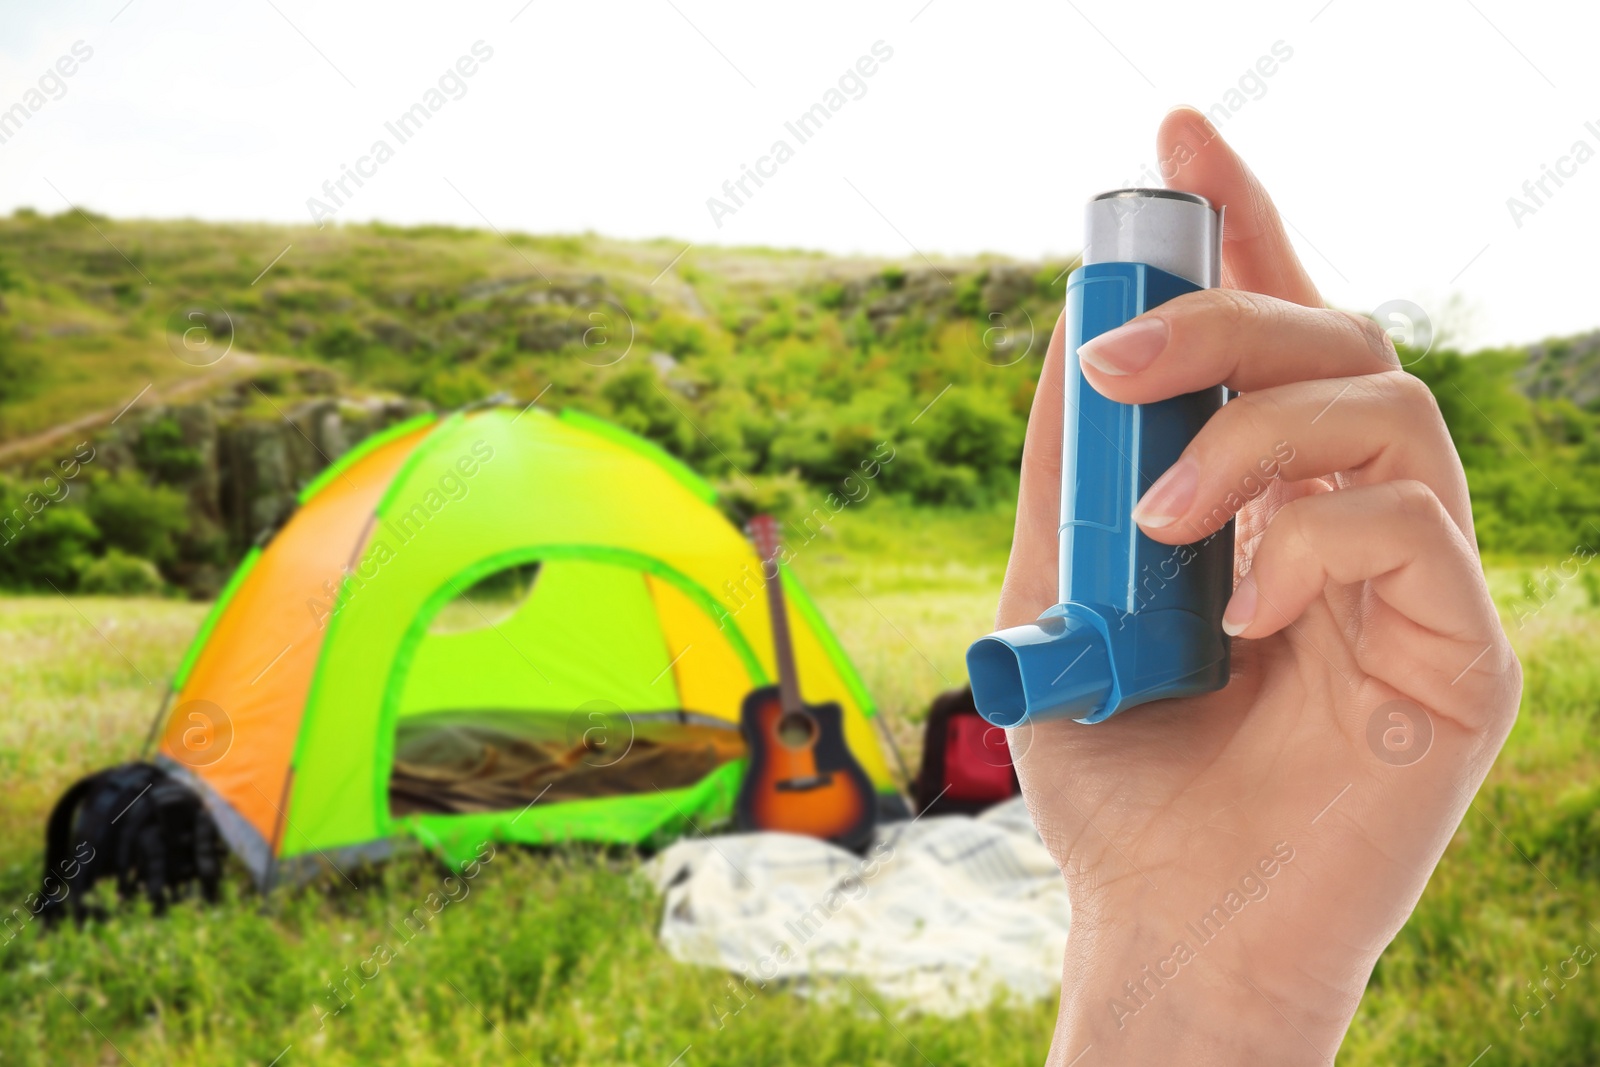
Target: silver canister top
1174,231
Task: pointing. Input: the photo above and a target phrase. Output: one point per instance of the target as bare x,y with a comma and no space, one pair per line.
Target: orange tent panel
236,719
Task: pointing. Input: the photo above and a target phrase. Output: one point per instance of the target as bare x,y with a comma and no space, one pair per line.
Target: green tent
494,625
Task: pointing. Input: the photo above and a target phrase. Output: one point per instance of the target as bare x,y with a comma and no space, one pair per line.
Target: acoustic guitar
802,777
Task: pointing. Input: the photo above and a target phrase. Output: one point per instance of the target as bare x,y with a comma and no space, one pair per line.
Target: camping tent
491,625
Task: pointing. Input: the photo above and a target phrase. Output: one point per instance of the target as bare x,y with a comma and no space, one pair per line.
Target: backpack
966,763
135,823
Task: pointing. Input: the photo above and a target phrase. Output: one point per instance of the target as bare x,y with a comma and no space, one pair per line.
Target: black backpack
137,824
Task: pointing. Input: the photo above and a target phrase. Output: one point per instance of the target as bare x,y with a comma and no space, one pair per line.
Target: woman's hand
1238,861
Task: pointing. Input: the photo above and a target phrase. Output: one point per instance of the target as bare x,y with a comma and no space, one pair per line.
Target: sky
1396,138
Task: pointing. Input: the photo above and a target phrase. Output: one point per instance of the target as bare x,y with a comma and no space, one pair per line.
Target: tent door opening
558,682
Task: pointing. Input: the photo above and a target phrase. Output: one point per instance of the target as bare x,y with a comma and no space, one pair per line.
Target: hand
1238,861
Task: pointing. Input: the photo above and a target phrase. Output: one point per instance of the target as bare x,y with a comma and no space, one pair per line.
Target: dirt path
229,371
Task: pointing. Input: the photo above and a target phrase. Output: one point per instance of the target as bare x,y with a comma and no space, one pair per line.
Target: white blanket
943,913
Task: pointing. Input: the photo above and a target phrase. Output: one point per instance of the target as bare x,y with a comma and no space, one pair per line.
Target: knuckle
1213,312
1292,528
1498,680
1235,307
1372,390
1250,416
1292,536
1513,680
1417,500
1373,336
1414,393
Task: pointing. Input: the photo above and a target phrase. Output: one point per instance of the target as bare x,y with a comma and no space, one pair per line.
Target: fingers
1245,341
1030,582
1398,537
1377,427
1256,253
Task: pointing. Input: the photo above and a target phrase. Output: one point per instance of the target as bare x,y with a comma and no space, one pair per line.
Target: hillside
448,315
773,372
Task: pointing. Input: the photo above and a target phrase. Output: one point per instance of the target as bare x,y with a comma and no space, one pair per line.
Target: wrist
1156,1000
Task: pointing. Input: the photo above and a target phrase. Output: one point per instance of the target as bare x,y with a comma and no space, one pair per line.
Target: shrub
969,295
454,387
119,574
140,519
341,341
162,451
782,496
43,540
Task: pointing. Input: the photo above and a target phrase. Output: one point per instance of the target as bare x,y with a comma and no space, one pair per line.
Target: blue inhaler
1137,620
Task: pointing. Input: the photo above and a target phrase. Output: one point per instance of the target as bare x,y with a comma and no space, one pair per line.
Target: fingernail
1128,349
1169,498
1241,607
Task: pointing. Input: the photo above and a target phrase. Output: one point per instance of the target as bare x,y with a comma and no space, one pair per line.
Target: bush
341,341
139,519
160,449
119,574
969,295
782,496
454,387
971,439
44,542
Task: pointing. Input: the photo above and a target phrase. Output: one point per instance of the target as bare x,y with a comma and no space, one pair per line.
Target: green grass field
553,959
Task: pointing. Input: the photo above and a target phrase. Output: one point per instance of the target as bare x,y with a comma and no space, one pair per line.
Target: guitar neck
782,645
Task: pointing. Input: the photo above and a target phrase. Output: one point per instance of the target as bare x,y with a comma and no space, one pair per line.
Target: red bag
966,763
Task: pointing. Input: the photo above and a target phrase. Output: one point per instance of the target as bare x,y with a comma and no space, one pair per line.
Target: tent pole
155,725
270,882
888,735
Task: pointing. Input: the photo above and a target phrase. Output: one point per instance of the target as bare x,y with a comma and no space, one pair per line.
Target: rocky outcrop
1564,367
240,458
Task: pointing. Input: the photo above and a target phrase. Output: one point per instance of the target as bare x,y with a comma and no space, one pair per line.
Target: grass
553,959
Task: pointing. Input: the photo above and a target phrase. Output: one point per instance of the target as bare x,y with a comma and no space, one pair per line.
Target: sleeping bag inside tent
490,626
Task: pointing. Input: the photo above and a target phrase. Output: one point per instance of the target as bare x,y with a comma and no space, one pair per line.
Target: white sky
1391,139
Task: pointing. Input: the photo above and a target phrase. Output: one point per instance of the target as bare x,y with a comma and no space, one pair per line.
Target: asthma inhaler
1137,620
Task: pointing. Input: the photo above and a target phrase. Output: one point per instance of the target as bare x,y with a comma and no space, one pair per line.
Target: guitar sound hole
796,730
